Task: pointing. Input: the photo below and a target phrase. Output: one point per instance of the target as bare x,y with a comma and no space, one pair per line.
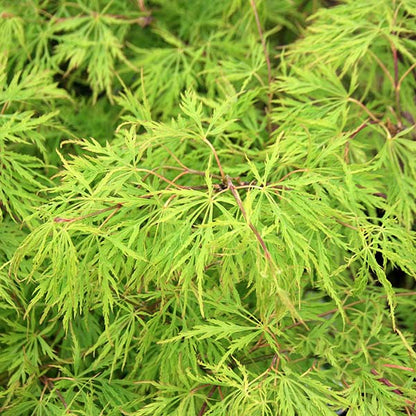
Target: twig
291,173
4,108
142,6
6,15
353,134
118,207
267,58
216,158
92,214
205,404
237,198
372,116
388,383
346,224
399,367
360,104
152,172
361,127
142,21
263,41
396,82
189,171
51,387
405,343
396,69
383,67
408,71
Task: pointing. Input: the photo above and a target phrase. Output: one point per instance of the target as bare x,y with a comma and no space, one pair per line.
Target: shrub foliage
207,207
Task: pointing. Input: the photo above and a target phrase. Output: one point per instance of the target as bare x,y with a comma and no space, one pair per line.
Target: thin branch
51,387
397,391
263,41
362,126
152,172
372,116
142,6
92,214
177,177
142,21
174,157
396,68
405,343
217,159
383,67
267,58
188,171
4,108
220,393
6,15
346,224
205,404
409,70
396,81
236,196
202,386
184,170
399,367
118,207
291,173
385,381
360,104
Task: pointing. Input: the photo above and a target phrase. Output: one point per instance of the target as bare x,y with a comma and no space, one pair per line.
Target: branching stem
51,387
217,159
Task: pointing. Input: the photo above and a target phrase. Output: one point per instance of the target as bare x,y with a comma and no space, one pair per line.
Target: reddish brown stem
4,108
92,214
397,391
346,224
386,382
267,58
51,387
237,198
399,367
217,159
362,126
118,207
360,104
142,6
396,83
408,71
5,15
291,173
205,404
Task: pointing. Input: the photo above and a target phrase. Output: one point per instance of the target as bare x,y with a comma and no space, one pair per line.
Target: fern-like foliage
207,208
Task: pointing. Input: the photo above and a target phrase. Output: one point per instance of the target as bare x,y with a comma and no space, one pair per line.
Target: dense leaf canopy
207,207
